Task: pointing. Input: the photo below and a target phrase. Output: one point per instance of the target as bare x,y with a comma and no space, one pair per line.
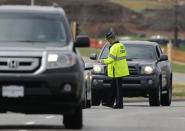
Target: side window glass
105,52
161,51
158,53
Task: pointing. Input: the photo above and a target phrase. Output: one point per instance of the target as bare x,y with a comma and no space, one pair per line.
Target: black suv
41,71
150,74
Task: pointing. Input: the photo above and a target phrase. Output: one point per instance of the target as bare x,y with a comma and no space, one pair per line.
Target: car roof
140,43
31,9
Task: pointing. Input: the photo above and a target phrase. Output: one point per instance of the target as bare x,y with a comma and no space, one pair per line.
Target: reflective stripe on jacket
116,61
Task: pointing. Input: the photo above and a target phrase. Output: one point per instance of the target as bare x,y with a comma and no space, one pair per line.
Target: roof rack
55,5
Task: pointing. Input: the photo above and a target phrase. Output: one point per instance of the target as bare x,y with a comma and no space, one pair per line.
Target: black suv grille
133,70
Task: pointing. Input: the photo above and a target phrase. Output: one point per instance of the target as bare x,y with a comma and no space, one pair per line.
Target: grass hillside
178,90
138,5
178,68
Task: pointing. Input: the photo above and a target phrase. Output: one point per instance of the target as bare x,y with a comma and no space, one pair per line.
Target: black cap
109,34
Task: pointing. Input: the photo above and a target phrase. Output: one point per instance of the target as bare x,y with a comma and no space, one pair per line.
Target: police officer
117,68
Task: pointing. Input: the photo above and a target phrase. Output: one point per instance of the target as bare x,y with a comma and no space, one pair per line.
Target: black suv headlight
98,69
147,69
60,60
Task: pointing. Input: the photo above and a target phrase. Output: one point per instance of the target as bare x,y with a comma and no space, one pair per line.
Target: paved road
179,78
134,117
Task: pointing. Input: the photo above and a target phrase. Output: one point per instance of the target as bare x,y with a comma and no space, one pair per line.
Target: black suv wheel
88,104
155,96
74,121
166,98
96,98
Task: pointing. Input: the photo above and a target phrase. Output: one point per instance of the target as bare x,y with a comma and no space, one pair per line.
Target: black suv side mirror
82,41
93,56
163,57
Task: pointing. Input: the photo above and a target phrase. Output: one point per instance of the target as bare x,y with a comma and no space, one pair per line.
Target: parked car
162,40
150,74
40,67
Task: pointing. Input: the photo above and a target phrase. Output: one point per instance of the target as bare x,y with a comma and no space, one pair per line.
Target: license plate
13,91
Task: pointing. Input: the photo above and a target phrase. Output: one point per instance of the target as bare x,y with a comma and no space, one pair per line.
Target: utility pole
176,24
32,2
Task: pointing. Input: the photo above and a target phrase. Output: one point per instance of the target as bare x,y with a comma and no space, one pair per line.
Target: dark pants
115,92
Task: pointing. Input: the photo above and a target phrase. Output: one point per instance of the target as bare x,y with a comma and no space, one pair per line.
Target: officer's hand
98,61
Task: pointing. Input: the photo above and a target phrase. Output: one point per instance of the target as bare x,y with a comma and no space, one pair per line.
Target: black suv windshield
32,28
134,52
140,52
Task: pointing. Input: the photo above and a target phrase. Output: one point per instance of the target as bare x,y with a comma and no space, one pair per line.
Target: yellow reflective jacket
116,61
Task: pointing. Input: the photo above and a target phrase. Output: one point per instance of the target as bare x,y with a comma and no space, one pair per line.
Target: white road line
30,123
49,117
22,130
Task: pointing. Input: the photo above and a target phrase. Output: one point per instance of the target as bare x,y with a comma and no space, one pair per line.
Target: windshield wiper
31,41
128,59
131,59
